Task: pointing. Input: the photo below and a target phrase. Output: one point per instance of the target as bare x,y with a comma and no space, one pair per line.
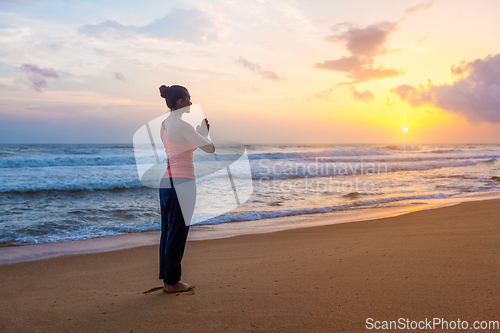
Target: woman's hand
203,128
198,137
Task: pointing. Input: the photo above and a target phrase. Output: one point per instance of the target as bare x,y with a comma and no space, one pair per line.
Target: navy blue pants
173,235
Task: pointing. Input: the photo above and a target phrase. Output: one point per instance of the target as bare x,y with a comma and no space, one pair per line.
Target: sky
278,71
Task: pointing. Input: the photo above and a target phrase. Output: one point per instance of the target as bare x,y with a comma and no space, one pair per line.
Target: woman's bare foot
179,287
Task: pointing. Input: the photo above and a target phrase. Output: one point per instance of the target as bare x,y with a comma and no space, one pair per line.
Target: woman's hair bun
172,94
164,90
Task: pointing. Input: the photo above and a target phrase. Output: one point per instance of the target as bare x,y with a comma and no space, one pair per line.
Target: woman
178,185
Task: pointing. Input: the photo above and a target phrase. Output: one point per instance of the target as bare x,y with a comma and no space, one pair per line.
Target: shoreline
31,252
434,263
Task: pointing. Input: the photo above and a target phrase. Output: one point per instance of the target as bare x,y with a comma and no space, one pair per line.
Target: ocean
57,193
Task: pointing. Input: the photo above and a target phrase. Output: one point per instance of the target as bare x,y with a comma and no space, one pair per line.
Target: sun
405,128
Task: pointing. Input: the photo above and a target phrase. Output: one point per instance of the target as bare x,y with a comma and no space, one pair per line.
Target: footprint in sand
152,290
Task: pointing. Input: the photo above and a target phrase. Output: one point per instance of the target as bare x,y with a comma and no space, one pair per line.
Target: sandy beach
439,263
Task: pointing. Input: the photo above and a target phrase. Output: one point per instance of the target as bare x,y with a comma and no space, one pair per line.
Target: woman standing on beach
178,185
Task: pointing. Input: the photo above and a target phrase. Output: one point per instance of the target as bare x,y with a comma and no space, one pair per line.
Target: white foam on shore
15,254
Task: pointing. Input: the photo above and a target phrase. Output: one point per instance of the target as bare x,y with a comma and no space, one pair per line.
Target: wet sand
439,263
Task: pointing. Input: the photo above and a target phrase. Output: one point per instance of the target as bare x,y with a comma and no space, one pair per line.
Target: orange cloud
364,44
365,96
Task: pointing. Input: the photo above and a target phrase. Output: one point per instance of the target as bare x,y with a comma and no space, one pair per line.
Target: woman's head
175,96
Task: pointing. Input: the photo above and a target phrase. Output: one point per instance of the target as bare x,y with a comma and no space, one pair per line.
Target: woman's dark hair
172,94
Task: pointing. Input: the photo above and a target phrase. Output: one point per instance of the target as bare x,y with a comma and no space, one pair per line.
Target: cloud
257,69
180,25
459,69
37,75
414,96
421,6
421,41
324,94
365,96
475,94
119,76
46,72
366,41
364,44
255,89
